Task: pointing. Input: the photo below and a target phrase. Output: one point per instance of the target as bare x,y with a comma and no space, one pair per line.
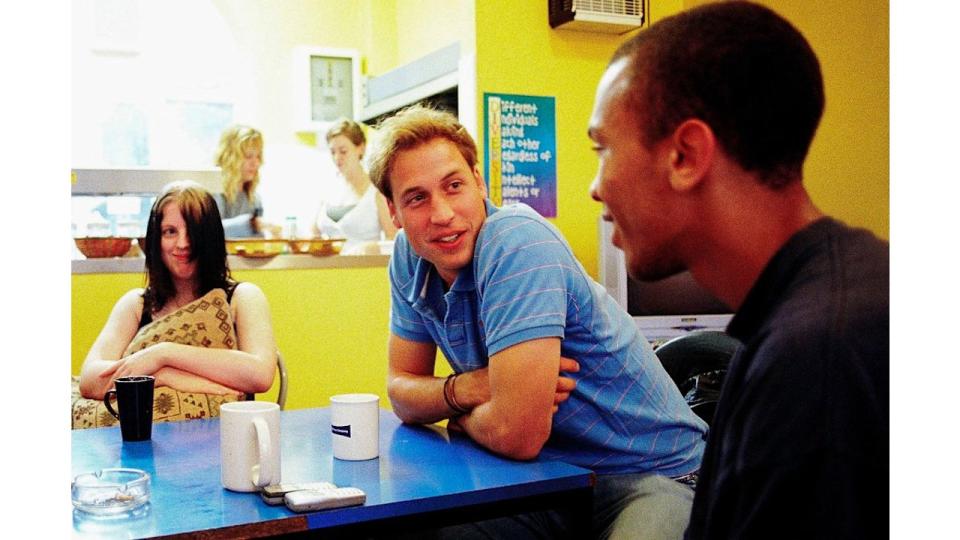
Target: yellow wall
400,31
380,36
91,298
330,325
848,169
847,172
518,53
424,26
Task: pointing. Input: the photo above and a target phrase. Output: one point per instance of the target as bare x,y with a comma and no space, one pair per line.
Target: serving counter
123,265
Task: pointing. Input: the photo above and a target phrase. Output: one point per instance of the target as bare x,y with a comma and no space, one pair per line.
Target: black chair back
697,363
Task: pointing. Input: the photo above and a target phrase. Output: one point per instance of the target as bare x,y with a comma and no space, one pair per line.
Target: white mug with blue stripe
355,426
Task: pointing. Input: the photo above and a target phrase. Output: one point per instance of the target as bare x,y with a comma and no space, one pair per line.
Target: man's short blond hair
410,128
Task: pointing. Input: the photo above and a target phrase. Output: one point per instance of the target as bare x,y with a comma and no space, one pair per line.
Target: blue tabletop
420,469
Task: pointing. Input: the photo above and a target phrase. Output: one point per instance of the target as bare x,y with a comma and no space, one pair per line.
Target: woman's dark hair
207,245
741,68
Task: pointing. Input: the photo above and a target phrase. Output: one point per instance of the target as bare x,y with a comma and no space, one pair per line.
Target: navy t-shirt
799,447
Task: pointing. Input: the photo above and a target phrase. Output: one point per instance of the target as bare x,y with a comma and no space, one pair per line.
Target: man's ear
480,183
393,213
692,152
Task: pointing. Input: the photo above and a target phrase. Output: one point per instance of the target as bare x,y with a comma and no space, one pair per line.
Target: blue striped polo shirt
625,415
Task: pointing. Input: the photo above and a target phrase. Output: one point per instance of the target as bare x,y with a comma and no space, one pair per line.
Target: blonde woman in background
354,211
239,157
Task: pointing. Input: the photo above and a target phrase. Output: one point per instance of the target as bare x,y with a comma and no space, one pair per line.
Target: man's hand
565,385
472,388
453,424
523,380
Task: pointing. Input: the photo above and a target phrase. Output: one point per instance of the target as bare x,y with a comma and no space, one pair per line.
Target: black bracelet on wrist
446,390
453,396
450,397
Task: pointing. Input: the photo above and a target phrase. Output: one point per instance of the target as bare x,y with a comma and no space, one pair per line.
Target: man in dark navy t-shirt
701,124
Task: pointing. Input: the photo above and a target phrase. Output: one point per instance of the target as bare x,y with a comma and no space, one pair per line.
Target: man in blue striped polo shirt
502,295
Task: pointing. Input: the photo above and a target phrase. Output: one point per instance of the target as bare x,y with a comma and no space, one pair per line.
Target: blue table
424,476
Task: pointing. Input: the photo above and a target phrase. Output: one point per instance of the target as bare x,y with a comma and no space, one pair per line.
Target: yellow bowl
256,247
319,247
102,247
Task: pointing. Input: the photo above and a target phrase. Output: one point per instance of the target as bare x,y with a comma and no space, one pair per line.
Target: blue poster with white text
520,148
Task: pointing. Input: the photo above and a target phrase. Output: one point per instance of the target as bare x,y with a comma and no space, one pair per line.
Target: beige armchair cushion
205,322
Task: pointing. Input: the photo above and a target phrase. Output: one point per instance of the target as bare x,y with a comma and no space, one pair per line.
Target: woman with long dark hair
185,260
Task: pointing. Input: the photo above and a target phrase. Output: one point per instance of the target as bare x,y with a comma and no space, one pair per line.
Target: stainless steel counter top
120,265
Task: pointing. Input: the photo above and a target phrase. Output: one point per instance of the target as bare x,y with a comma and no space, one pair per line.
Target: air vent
606,16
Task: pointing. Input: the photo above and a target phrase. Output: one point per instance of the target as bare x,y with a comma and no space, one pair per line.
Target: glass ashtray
109,492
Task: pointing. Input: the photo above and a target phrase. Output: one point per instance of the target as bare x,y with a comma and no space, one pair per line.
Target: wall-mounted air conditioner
606,16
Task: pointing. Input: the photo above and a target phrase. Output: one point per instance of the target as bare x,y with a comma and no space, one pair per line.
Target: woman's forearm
93,385
190,382
237,369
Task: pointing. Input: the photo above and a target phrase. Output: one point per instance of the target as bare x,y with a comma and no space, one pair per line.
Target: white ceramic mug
355,426
249,445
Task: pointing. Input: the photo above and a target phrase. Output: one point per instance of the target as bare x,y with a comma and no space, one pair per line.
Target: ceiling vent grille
606,16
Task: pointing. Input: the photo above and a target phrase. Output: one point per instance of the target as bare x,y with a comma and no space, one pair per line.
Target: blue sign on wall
520,150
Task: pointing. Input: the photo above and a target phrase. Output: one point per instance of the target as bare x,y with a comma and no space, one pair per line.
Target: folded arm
416,395
510,403
117,333
517,419
249,369
185,381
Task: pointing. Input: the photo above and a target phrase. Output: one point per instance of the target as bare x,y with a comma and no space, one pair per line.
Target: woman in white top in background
357,211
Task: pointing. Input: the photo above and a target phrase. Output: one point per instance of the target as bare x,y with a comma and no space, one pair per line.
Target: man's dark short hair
739,67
